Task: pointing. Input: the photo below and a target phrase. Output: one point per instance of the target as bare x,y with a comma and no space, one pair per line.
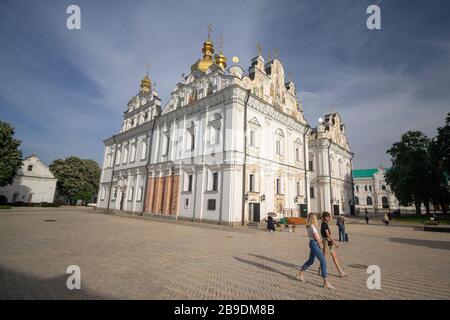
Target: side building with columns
330,165
228,147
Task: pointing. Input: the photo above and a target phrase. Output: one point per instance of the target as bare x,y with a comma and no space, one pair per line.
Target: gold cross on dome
220,42
209,30
258,48
147,68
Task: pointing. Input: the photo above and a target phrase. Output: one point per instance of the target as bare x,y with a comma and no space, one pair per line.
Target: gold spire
208,51
146,83
221,60
258,49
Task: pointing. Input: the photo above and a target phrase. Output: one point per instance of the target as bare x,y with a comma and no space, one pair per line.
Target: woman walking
329,243
315,243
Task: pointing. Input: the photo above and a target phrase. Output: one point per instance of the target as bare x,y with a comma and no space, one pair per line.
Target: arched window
190,136
279,142
30,197
385,202
369,201
215,125
357,201
298,150
15,197
144,149
30,168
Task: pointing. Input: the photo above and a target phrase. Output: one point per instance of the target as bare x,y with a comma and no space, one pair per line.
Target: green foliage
10,155
2,207
409,175
76,177
419,166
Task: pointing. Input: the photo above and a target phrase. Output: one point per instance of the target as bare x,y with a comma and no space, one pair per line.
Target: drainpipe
245,157
149,153
353,186
329,173
305,167
112,173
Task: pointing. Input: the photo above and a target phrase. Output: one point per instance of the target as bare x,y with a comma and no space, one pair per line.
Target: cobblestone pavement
136,258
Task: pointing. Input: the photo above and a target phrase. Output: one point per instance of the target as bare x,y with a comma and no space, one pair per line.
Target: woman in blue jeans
315,246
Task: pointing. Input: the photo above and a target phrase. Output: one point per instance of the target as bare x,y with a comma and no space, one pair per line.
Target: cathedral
228,147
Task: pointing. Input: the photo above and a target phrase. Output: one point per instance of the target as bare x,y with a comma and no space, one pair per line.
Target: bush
48,204
3,207
3,200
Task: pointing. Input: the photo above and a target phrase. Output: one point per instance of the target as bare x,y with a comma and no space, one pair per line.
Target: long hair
311,220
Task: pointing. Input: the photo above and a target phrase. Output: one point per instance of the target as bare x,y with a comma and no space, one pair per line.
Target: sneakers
300,278
328,286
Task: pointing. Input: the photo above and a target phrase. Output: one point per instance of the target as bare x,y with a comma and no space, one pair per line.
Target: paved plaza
125,257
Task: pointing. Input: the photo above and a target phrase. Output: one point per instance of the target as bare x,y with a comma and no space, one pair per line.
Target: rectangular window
215,182
125,155
139,195
188,180
298,188
144,150
311,192
103,193
311,165
192,141
365,188
297,154
278,186
130,193
133,153
370,188
186,203
252,183
252,138
211,204
278,147
119,154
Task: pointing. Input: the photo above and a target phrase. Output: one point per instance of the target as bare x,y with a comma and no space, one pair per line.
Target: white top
312,231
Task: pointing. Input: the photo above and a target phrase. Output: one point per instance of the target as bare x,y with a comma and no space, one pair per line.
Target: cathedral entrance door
254,210
336,210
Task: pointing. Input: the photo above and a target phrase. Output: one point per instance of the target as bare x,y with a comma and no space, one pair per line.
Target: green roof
364,173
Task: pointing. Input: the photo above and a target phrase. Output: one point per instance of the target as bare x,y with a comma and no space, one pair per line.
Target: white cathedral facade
228,147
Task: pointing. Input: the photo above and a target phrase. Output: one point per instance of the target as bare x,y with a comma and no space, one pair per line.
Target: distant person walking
315,244
341,227
386,219
329,243
366,216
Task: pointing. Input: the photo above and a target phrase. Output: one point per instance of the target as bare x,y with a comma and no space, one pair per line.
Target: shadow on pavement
16,285
434,244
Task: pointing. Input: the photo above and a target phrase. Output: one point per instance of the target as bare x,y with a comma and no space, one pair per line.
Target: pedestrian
341,227
386,219
270,224
315,244
329,243
366,216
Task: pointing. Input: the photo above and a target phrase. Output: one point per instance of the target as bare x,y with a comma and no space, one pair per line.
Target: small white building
33,182
373,193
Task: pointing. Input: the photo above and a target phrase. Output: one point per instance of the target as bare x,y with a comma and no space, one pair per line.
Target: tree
10,155
77,178
410,175
443,144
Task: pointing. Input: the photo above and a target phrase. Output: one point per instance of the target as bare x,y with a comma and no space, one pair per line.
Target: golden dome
146,84
221,60
207,61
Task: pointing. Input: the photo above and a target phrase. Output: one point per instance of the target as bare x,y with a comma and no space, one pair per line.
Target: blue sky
65,91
